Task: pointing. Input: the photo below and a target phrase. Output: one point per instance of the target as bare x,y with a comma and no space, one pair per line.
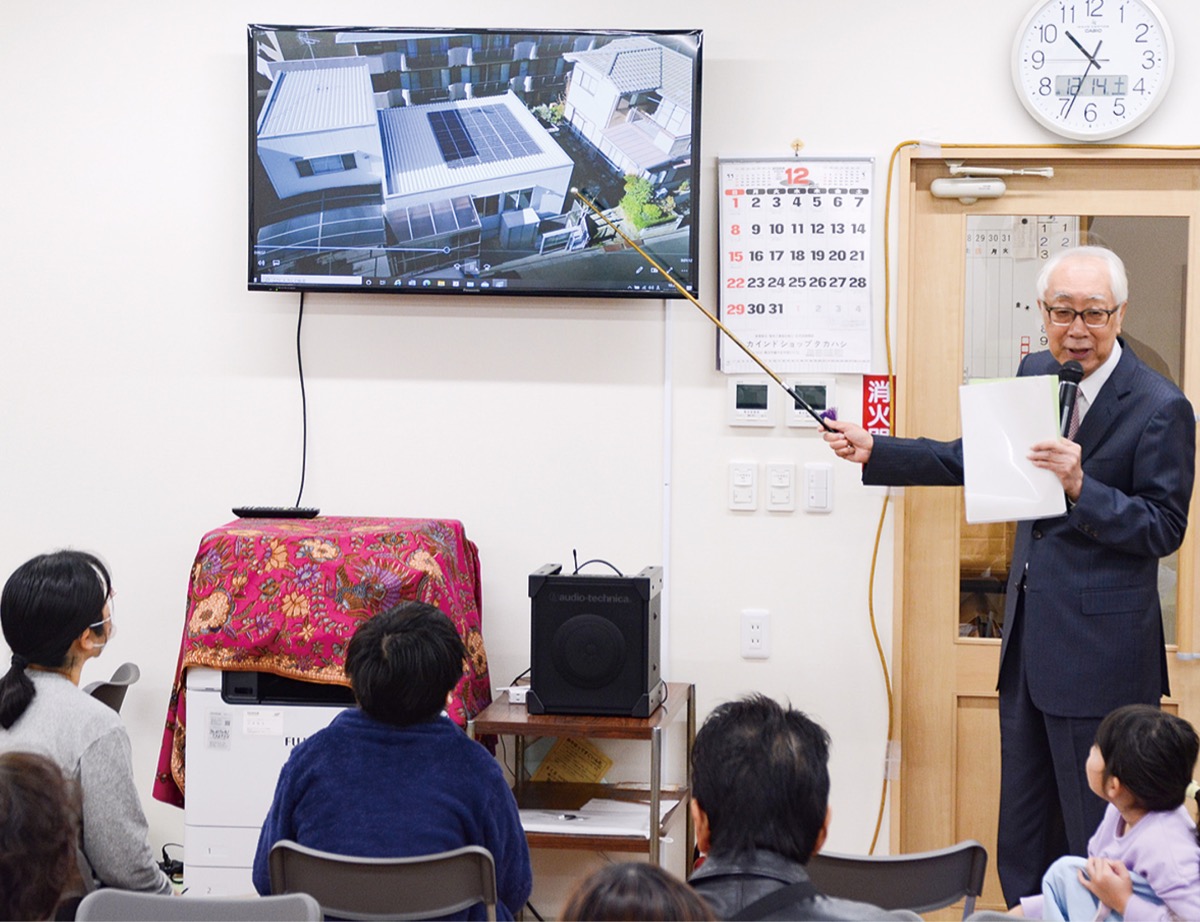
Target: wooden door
948,717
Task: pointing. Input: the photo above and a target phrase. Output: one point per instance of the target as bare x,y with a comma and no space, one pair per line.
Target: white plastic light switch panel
818,486
743,485
781,486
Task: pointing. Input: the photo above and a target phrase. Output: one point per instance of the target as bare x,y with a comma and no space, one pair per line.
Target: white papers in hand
1000,421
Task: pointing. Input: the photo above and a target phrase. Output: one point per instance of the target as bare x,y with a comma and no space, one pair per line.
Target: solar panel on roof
483,134
451,135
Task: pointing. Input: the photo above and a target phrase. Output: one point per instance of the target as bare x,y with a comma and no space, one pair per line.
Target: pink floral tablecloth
285,595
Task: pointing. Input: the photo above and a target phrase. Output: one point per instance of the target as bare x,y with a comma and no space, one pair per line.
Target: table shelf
560,795
505,718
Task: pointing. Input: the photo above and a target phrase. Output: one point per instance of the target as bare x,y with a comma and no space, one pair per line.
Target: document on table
1001,419
598,817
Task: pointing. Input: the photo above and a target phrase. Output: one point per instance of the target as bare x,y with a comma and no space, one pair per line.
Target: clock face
1092,69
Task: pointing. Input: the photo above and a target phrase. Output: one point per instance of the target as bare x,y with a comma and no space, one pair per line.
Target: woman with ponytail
56,613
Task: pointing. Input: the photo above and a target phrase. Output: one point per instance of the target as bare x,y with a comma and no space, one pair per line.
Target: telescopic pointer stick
800,401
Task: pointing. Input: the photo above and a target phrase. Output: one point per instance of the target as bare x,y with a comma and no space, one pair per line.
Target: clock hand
1090,57
1091,61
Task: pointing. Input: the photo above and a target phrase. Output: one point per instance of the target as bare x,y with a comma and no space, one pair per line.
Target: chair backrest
920,881
387,888
110,905
112,691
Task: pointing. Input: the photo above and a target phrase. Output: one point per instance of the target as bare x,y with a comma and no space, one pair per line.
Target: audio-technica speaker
595,643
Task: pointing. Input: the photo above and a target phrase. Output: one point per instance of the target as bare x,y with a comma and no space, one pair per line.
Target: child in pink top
1144,859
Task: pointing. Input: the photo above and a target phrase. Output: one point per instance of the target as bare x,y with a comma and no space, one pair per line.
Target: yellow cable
891,377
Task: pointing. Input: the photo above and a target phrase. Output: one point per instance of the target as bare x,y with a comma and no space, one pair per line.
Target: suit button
1037,533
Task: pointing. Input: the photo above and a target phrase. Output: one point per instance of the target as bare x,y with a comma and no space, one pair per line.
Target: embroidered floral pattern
210,613
285,596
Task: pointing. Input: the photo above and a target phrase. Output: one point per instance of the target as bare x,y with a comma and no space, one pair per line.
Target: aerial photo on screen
465,161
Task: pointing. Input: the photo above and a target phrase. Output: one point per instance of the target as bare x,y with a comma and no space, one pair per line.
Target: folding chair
112,691
920,882
110,905
419,887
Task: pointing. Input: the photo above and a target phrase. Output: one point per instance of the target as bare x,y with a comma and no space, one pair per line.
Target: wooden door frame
933,702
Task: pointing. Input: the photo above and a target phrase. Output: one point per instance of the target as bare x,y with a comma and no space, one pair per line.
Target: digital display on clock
1066,86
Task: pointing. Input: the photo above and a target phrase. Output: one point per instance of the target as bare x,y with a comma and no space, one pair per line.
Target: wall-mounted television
453,161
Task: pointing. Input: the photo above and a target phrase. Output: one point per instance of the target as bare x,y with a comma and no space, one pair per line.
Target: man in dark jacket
760,802
1083,630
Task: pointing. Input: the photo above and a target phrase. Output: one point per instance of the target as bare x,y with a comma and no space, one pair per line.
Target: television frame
375,167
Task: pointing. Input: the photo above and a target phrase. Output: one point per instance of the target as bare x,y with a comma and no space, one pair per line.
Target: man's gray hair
1117,278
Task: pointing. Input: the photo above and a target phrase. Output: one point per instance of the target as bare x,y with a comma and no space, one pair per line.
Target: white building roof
415,161
636,64
334,94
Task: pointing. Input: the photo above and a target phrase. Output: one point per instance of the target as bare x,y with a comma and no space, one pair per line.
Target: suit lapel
1102,414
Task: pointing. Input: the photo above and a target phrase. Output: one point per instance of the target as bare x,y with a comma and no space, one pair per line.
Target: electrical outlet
756,634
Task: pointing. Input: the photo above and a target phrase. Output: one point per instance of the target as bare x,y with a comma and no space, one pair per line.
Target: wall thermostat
818,393
751,402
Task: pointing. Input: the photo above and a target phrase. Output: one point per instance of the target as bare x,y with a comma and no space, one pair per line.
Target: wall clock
1092,69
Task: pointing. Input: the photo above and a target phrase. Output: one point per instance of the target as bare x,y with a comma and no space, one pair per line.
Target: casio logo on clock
1090,70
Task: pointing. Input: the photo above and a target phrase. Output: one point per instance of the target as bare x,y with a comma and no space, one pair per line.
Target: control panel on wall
752,401
818,393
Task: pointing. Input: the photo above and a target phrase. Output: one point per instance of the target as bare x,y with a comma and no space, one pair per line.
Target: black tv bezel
666,288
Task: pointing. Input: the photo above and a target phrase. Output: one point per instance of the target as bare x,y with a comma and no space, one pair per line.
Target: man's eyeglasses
1093,317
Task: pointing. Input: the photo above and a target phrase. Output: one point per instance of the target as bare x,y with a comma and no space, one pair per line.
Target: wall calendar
795,237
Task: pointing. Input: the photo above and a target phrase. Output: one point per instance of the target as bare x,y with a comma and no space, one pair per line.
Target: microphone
1069,377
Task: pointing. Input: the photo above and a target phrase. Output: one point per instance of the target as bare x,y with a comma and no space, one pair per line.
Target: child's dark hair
634,890
1152,753
402,663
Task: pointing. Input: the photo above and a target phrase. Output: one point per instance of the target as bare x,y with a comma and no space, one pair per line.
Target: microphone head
1071,371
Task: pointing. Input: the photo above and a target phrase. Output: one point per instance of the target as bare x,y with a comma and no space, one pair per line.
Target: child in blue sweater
394,777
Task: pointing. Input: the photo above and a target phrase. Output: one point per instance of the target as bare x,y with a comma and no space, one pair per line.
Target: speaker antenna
579,566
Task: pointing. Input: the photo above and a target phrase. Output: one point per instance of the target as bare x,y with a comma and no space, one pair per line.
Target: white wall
144,391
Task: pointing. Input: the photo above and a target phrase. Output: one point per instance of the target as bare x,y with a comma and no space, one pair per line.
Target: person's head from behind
760,780
634,890
403,663
1144,756
39,832
54,612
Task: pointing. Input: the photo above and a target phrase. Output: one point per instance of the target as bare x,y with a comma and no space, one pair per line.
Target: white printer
241,727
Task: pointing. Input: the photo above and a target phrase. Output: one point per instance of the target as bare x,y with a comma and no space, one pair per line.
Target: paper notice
573,760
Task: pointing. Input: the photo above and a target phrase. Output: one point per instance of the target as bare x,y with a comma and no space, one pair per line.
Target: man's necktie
1076,415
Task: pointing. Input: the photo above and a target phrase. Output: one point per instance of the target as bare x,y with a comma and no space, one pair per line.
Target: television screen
473,161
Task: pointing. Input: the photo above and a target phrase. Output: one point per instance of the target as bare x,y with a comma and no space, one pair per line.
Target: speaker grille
589,651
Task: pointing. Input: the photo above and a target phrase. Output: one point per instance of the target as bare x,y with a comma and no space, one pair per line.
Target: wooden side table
505,718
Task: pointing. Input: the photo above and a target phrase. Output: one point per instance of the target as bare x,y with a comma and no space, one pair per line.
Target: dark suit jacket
1092,635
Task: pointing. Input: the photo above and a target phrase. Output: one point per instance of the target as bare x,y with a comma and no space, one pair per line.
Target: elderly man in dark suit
1083,629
